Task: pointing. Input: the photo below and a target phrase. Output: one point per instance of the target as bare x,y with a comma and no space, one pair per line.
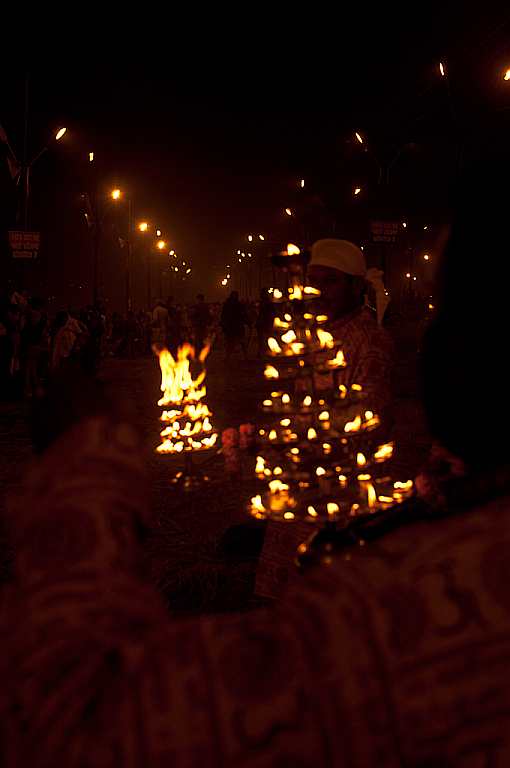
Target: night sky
210,133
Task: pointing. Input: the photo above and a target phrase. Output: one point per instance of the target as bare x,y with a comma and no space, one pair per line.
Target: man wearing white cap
338,269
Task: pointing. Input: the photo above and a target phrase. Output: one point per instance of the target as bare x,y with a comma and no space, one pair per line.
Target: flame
277,471
324,416
321,318
273,345
507,75
373,421
297,347
371,496
386,499
325,339
292,250
369,414
311,291
278,323
320,471
285,422
277,294
354,425
267,403
308,316
407,486
177,383
361,460
342,480
285,399
272,435
326,447
256,503
296,293
288,337
332,508
187,422
294,451
312,434
288,515
356,387
384,452
312,512
260,465
343,391
338,361
276,486
307,401
271,372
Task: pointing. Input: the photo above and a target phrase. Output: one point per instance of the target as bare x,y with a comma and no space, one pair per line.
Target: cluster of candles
188,420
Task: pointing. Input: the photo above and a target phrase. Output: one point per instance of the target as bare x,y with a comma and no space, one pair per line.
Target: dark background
209,133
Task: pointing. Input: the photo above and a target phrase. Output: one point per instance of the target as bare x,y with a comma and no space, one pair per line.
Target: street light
359,137
160,245
426,257
60,133
91,157
442,69
116,193
288,211
143,226
357,190
158,233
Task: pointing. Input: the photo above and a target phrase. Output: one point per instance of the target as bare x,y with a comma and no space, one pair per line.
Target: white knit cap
339,254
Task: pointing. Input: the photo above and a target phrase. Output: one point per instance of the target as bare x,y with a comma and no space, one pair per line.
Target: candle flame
321,318
312,512
277,294
260,465
273,345
277,323
256,503
307,401
272,435
332,508
354,425
292,250
288,337
338,361
312,434
324,416
361,460
371,496
311,291
276,486
285,399
325,339
320,471
407,486
384,452
271,372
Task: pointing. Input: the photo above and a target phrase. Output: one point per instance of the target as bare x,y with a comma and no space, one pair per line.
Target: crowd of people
34,343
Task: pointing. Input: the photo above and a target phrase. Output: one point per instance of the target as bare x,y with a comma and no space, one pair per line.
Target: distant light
228,276
160,245
442,69
362,247
404,224
288,211
431,306
238,253
249,255
116,193
425,227
302,183
188,270
359,137
91,157
224,281
176,269
172,253
357,190
60,133
250,238
239,260
228,266
415,278
158,233
408,275
426,257
507,75
143,226
261,237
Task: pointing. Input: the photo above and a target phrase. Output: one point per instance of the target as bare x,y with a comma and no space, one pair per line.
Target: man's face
338,296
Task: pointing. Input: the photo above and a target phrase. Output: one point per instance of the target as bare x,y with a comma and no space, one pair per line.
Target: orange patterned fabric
398,654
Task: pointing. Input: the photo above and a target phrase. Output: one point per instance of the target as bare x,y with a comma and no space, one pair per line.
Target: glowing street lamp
158,233
116,194
143,226
161,245
442,69
288,211
359,137
60,133
426,257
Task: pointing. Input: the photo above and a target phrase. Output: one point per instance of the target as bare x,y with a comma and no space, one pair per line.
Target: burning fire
338,361
273,345
292,250
325,339
384,452
188,423
271,372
